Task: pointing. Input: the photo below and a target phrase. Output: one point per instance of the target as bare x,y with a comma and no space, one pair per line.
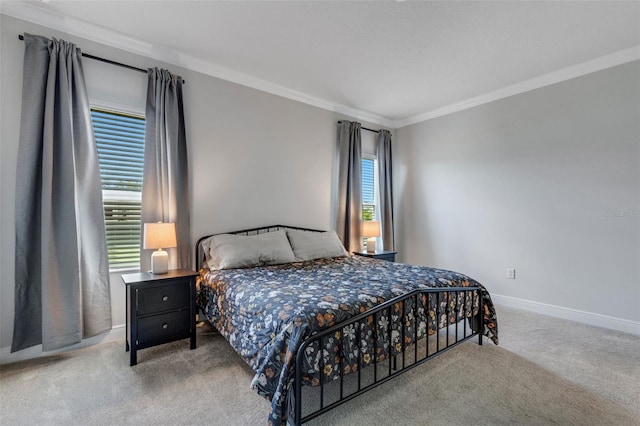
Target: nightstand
383,255
160,309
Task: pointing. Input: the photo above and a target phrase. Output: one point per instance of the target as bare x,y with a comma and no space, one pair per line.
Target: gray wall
524,182
255,158
547,182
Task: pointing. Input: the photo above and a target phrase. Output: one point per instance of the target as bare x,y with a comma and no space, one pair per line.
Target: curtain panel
349,217
62,290
386,188
165,182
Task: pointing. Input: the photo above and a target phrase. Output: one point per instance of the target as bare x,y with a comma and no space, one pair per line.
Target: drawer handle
165,325
165,298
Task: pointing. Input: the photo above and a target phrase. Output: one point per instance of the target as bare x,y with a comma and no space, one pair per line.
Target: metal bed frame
393,367
391,364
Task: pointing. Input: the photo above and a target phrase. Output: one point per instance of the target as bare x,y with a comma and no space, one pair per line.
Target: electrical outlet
511,273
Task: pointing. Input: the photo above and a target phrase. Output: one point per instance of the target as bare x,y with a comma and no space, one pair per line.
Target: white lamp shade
371,228
159,235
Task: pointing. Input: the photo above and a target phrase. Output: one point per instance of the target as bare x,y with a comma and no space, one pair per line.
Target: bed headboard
253,231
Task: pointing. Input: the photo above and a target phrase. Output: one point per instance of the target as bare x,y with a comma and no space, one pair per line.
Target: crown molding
597,64
39,14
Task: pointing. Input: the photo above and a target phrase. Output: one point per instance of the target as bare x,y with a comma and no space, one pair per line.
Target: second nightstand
383,255
160,309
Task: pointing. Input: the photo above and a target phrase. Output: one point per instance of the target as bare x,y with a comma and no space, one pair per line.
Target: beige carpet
546,371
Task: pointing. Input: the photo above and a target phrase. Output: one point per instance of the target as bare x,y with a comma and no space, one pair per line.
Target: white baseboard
115,334
598,320
590,318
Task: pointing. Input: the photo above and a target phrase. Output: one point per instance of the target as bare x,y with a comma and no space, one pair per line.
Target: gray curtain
61,267
386,188
165,185
349,218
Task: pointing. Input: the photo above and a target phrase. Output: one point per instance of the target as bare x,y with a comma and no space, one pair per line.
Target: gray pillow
206,247
315,245
228,251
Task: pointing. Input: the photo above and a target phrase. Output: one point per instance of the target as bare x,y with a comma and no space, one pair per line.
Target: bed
337,325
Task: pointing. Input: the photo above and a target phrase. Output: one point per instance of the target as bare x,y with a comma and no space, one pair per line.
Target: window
120,141
368,189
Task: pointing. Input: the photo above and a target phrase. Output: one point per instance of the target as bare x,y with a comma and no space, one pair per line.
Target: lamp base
371,245
159,262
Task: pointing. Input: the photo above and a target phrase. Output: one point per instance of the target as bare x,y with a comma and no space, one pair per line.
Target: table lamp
159,236
371,230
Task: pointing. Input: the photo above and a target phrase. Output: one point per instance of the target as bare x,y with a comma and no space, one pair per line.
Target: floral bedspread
267,312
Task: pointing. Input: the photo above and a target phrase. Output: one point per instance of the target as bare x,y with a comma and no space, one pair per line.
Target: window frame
119,195
376,186
376,195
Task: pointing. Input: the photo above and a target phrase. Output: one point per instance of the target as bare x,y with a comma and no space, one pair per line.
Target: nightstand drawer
163,327
388,257
162,298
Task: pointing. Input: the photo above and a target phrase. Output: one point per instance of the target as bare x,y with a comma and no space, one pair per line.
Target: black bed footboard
390,339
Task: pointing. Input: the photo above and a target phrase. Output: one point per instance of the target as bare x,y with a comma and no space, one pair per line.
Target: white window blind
368,189
120,141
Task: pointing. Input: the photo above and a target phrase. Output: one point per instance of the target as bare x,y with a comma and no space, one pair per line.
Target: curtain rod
364,128
108,61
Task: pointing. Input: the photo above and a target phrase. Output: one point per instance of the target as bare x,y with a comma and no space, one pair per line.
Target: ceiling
389,62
